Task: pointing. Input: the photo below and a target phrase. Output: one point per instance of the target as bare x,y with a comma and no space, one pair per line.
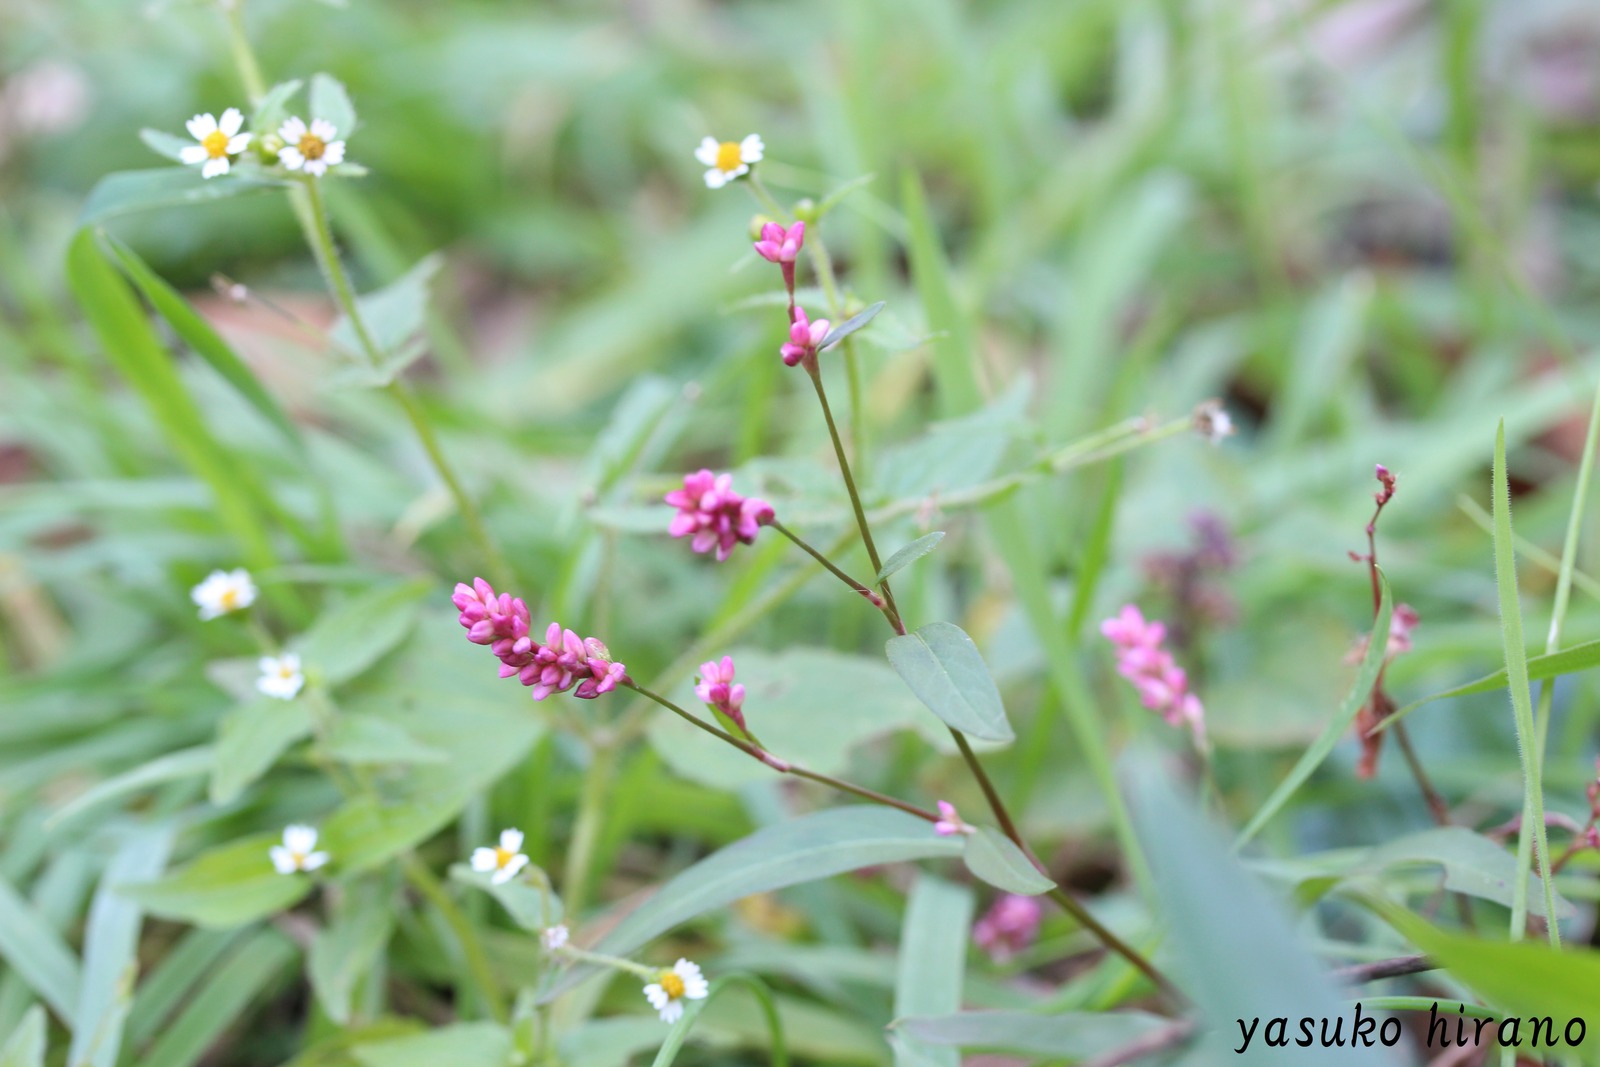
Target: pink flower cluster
562,661
804,337
718,689
718,517
1008,927
1163,686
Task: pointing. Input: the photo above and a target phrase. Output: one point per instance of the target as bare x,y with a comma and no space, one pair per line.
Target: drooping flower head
504,860
280,676
298,851
219,139
780,245
717,688
1162,685
672,987
727,160
1010,925
717,516
312,148
804,337
562,661
950,823
223,592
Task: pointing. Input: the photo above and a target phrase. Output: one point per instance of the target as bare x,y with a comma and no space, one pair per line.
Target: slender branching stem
872,598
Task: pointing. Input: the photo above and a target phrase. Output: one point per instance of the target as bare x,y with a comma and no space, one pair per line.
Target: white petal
672,1011
696,988
333,153
707,152
193,153
238,143
484,860
318,167
750,148
292,130
289,663
511,839
313,861
291,158
231,121
200,126
214,167
656,996
323,130
736,171
301,839
715,179
282,860
513,865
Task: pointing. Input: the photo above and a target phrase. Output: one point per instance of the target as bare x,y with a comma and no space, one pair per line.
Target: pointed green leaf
944,669
1069,1035
330,101
129,191
529,904
224,887
459,1045
347,947
25,1047
272,108
908,555
932,963
995,858
250,740
35,952
218,1004
169,145
354,635
850,326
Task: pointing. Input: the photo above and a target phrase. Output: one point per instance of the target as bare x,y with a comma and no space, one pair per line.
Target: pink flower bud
950,823
1008,927
804,337
778,245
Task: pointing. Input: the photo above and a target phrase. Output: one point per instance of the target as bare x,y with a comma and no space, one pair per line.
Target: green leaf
942,666
272,109
850,326
368,739
818,845
1071,1035
1472,864
199,335
226,886
348,946
330,101
130,191
36,953
908,555
530,905
1339,725
355,634
995,858
1540,668
26,1045
221,1001
169,145
174,766
171,983
1531,848
250,739
932,963
835,198
393,317
1233,947
110,949
459,1045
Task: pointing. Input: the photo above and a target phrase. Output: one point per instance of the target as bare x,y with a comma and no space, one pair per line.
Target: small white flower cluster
307,147
683,981
224,592
504,860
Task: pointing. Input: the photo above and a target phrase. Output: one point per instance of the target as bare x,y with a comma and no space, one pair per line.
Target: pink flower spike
717,689
714,515
1162,685
778,245
1008,927
950,823
558,663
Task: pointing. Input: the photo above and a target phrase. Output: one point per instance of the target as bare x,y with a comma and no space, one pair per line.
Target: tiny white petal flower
280,676
682,982
218,141
727,160
554,937
505,860
222,592
484,860
297,853
311,149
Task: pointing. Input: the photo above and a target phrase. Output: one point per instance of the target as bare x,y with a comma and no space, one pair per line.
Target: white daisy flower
298,851
554,937
224,591
505,860
280,676
728,160
668,992
219,139
310,148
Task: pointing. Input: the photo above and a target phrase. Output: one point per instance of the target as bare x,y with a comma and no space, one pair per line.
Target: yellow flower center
728,156
502,856
311,146
672,984
299,859
230,597
215,143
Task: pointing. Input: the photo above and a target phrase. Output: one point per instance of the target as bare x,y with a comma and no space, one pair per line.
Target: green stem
872,598
1116,944
319,233
244,57
761,755
477,960
822,263
586,830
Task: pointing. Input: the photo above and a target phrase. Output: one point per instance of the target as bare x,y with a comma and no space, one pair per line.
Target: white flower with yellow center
219,139
280,676
671,988
310,148
554,937
728,160
224,591
298,851
504,860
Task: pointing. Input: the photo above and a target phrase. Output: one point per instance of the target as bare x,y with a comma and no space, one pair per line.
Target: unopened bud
756,224
806,211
